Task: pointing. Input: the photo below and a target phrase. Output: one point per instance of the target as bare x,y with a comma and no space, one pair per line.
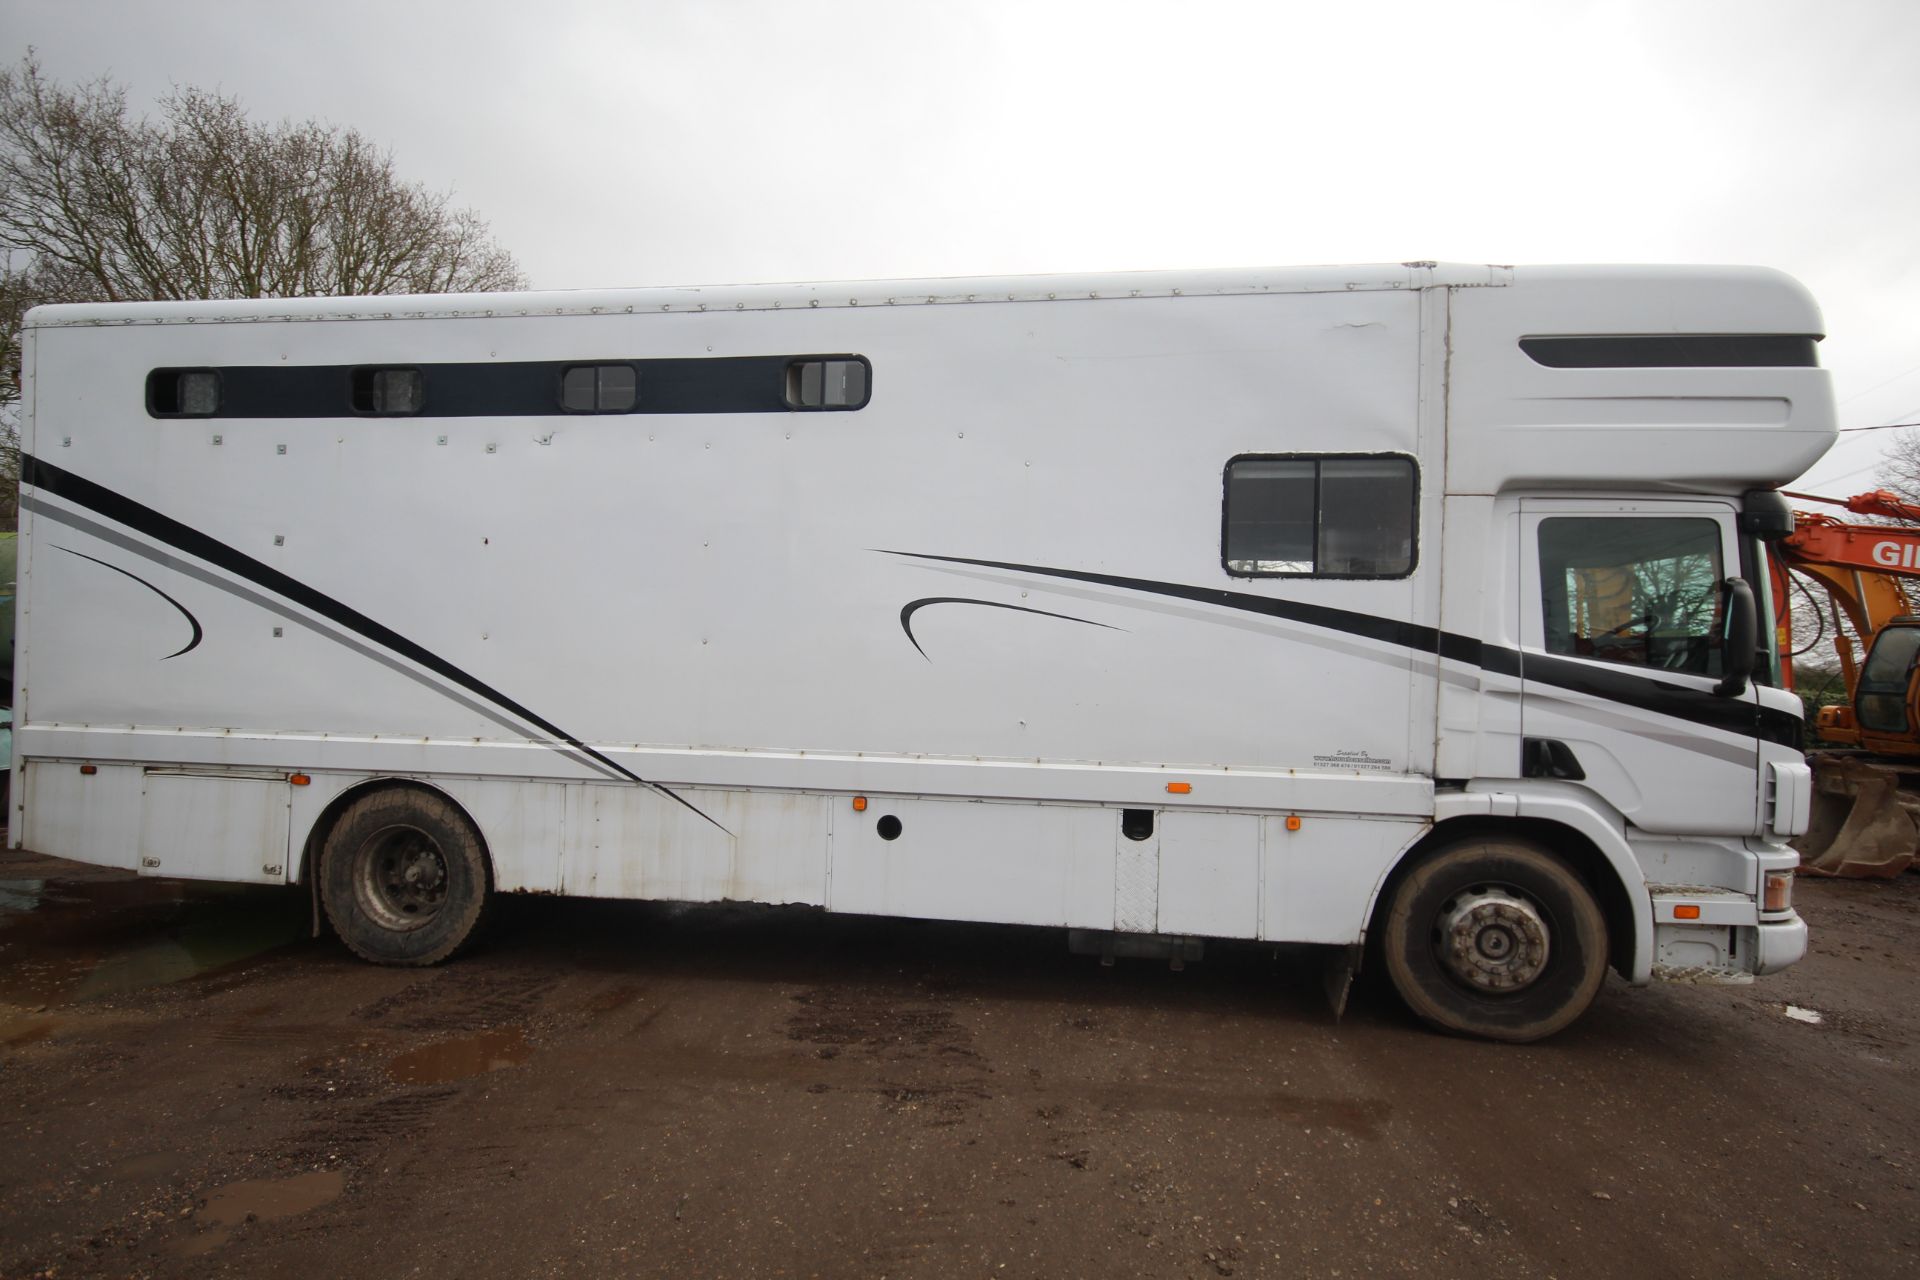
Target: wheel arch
1613,877
329,815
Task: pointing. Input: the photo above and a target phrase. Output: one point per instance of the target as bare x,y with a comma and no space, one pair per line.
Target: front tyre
403,877
1495,938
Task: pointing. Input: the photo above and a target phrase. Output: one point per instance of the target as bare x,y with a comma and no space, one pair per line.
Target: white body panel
992,601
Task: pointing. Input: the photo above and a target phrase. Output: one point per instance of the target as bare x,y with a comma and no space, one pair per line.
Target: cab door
1623,656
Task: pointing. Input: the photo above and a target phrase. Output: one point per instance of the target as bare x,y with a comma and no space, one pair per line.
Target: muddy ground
191,1086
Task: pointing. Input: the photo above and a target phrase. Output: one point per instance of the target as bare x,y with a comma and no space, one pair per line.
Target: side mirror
1740,638
1764,514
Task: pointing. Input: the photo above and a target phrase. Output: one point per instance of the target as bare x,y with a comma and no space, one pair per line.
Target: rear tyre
404,878
1495,938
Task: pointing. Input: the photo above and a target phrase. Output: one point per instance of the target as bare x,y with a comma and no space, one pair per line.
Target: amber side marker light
88,770
1293,822
859,804
298,779
1180,788
1686,913
1779,894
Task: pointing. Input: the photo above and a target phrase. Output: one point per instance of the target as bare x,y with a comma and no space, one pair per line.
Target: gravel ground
190,1086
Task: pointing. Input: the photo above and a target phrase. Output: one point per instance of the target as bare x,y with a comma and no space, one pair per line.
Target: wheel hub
402,880
1492,940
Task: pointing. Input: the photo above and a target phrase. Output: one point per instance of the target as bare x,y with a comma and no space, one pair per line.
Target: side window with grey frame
183,393
839,383
600,388
1320,516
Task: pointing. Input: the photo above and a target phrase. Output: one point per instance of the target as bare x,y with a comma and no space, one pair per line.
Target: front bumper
1779,943
1705,935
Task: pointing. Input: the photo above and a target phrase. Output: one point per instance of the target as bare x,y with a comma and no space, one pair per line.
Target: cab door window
1642,591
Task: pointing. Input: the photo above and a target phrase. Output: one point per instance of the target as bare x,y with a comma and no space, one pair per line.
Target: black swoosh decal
1615,685
914,606
124,510
186,613
1407,635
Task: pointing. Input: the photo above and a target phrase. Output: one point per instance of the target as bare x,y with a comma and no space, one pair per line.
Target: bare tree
206,203
1900,467
202,202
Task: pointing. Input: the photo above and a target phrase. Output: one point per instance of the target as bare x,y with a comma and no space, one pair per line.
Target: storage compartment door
215,826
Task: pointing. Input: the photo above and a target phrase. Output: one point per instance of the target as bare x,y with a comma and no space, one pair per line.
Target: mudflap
1859,828
1337,978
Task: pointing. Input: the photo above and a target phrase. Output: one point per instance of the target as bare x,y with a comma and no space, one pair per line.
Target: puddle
261,1201
603,1004
78,940
151,1165
21,895
1358,1117
451,1060
1809,1016
27,1030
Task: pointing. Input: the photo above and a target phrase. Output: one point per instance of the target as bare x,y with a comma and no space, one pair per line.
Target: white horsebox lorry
1416,605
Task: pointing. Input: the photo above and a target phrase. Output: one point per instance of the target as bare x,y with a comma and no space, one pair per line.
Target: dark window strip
725,384
1675,351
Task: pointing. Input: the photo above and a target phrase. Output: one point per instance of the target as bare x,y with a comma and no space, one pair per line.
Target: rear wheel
404,877
1496,938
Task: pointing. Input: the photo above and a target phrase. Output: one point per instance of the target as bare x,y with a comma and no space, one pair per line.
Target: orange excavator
1866,814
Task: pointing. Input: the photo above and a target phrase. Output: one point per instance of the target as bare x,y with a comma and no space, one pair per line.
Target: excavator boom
1866,819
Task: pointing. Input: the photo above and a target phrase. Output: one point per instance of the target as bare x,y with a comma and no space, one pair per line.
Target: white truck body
715,646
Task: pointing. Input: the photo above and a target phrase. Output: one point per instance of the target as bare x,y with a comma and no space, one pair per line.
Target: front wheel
404,877
1495,938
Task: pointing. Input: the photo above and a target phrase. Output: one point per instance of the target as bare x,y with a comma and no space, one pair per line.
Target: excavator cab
1884,717
1866,770
1866,810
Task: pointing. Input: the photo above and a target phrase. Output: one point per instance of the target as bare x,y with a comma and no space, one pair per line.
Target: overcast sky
720,141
